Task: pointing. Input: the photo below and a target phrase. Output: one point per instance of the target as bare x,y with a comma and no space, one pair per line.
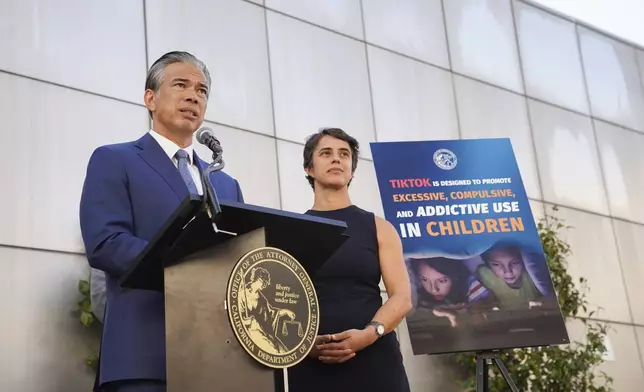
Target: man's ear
149,99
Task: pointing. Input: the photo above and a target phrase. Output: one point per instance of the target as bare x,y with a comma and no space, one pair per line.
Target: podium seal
272,307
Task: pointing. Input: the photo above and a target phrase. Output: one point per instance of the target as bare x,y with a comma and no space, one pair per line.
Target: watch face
380,329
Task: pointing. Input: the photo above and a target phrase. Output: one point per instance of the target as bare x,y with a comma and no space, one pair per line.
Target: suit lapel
154,155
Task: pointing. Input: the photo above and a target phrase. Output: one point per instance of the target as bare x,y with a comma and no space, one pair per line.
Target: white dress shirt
171,149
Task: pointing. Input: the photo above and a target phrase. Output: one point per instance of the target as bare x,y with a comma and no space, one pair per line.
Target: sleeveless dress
348,292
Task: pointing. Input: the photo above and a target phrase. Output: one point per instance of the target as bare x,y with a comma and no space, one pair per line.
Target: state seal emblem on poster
272,307
445,159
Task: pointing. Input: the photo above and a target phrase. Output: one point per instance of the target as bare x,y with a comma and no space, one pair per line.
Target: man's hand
343,346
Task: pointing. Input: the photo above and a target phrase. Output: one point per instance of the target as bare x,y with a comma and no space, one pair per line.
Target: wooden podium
191,263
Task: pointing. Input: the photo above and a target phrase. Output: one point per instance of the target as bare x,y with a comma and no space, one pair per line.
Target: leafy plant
87,318
84,305
563,368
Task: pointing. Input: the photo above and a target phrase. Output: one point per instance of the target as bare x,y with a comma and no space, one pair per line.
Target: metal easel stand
483,361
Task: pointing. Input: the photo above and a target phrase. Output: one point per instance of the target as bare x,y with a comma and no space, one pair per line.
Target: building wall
617,17
72,74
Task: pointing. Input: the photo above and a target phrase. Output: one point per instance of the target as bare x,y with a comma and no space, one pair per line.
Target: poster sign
478,273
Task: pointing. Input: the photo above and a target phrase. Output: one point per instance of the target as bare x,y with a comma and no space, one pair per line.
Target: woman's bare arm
394,276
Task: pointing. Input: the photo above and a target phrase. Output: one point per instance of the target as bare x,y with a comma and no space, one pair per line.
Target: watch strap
377,326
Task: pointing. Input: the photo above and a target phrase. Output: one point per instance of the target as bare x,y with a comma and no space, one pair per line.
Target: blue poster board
478,273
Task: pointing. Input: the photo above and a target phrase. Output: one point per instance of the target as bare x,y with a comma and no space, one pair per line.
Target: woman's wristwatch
380,329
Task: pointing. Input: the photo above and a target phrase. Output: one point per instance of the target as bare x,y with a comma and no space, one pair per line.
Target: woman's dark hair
454,269
312,143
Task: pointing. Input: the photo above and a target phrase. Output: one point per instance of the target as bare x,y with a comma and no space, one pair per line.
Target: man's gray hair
155,73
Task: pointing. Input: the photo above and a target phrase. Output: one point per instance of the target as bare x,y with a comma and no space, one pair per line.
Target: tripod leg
506,374
481,374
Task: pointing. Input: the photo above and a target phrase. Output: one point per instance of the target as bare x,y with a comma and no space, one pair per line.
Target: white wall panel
425,372
550,58
489,112
90,45
631,254
594,257
621,18
339,15
567,157
319,80
639,333
482,41
411,100
639,54
297,194
411,27
230,38
613,81
50,133
364,188
538,211
43,344
622,157
622,361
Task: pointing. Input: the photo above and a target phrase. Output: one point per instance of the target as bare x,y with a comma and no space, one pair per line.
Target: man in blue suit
130,190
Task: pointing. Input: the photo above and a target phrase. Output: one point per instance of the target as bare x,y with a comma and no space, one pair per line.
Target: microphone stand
210,200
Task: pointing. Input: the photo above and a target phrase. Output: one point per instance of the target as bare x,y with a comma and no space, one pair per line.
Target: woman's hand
320,339
328,356
343,346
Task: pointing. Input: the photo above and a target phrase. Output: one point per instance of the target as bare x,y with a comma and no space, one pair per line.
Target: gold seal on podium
272,307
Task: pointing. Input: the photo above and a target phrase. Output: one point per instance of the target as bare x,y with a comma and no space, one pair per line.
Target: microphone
206,137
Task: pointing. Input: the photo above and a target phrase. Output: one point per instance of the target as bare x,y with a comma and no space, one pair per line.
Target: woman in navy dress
356,348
